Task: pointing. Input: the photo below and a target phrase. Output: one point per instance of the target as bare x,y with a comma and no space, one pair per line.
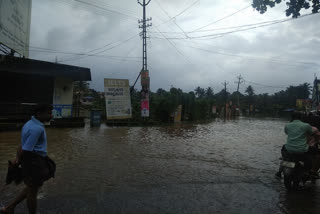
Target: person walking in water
36,166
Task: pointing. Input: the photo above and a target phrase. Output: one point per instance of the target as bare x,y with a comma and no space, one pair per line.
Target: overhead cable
87,4
225,17
216,35
296,63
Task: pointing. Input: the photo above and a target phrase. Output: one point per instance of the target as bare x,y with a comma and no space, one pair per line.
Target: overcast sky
192,43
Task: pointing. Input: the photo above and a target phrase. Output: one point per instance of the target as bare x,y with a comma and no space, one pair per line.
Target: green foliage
271,104
135,104
197,104
294,6
81,87
250,91
200,92
209,92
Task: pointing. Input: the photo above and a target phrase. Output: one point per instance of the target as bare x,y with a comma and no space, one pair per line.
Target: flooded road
218,167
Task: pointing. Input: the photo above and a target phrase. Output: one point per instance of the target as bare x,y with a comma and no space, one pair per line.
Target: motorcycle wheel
290,183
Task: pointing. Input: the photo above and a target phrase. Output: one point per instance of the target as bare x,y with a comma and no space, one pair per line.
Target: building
24,82
316,94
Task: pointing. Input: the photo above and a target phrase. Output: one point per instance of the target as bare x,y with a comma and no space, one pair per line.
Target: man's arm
28,145
309,130
17,161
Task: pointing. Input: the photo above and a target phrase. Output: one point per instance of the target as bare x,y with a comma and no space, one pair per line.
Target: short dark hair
42,107
296,115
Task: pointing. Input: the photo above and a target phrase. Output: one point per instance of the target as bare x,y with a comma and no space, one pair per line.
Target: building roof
43,68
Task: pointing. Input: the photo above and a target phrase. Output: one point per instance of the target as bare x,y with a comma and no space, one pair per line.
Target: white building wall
62,98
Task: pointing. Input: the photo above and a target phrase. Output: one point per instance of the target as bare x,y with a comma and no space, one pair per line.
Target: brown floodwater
217,167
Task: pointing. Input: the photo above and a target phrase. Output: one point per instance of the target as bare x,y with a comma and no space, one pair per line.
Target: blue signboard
62,111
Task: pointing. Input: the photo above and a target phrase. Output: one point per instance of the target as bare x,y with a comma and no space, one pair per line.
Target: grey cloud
267,52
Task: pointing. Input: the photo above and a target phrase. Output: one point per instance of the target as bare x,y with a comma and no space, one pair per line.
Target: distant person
313,142
299,134
36,166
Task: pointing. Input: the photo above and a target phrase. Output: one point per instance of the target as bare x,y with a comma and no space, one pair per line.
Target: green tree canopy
200,92
209,92
81,87
294,6
250,91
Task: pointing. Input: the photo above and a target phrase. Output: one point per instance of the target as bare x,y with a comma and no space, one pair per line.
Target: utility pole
315,94
225,99
240,81
145,79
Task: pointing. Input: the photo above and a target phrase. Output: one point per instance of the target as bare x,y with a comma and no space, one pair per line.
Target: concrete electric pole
240,81
225,98
145,79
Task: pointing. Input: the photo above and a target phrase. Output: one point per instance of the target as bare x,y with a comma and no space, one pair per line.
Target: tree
81,87
294,6
200,92
209,92
250,91
161,91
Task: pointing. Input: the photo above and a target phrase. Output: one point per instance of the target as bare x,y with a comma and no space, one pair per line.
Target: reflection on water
219,167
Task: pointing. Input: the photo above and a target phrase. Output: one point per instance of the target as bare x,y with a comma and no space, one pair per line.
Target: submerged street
216,167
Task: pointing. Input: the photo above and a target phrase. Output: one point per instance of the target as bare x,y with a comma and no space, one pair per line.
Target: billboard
145,84
177,114
62,111
15,18
214,109
303,104
118,102
144,108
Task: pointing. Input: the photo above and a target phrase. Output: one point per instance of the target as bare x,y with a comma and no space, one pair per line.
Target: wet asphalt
216,167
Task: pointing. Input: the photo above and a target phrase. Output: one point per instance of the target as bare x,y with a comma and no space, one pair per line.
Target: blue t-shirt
33,137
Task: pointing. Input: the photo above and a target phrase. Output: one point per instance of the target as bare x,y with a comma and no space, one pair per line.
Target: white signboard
118,102
15,17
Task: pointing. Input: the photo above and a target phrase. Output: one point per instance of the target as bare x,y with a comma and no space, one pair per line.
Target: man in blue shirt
32,155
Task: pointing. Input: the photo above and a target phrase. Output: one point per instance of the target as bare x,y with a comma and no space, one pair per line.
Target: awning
37,67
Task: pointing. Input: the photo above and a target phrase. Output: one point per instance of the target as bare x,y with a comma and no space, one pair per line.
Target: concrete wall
62,98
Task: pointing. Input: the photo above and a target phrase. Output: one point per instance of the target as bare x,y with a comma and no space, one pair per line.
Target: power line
91,5
44,50
102,8
132,12
256,57
119,44
174,46
239,30
226,28
174,21
92,10
267,86
186,9
211,23
179,14
109,44
85,5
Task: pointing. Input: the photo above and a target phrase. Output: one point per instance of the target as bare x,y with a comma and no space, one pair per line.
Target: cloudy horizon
191,43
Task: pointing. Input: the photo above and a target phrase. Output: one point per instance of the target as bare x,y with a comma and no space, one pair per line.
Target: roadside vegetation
197,105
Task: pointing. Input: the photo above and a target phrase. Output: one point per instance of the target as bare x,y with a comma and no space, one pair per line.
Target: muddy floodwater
217,167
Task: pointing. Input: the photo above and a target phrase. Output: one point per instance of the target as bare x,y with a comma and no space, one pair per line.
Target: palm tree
200,92
250,92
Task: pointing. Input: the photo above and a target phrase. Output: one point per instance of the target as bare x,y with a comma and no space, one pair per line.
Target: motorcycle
295,171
